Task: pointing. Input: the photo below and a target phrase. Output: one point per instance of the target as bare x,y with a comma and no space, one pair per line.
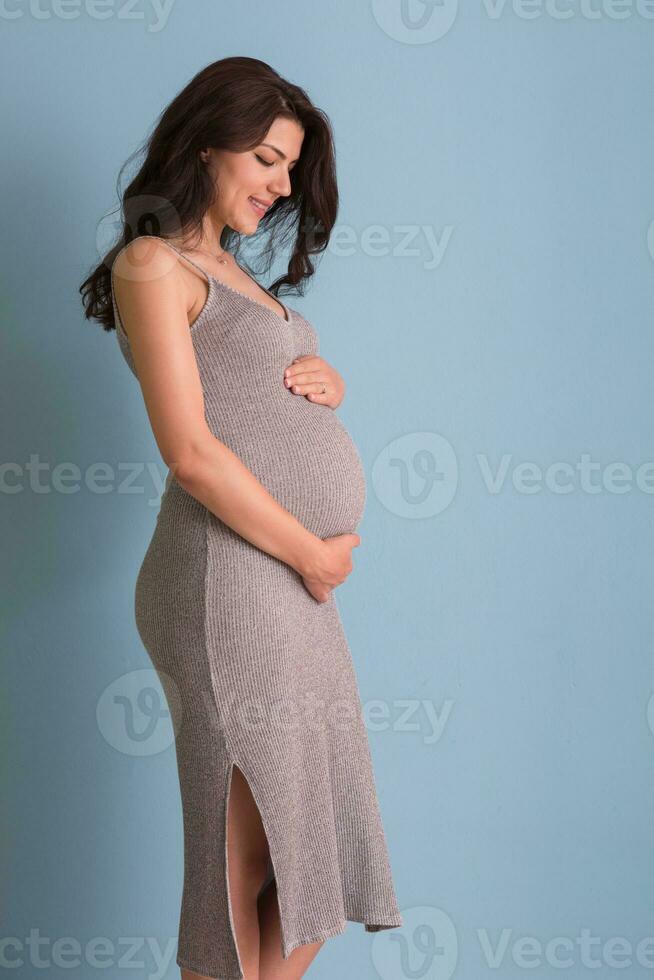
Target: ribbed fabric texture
257,673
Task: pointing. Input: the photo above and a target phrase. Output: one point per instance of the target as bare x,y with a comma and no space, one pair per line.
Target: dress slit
273,864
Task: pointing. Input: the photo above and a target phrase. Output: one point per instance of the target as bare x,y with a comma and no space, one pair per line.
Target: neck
209,237
212,229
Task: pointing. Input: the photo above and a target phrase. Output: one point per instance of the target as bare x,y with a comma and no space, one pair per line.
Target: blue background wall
488,298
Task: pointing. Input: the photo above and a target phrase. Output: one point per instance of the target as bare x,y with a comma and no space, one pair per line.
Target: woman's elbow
189,460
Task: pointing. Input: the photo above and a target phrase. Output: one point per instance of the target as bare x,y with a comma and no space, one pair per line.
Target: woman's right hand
329,565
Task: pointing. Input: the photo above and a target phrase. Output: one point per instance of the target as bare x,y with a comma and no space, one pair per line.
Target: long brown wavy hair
229,105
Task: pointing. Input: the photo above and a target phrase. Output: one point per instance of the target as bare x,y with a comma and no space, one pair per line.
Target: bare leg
247,865
271,964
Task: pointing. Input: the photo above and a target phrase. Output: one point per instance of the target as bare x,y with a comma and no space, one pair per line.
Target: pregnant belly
310,465
325,477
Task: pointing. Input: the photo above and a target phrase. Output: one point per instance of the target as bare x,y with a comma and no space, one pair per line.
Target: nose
281,185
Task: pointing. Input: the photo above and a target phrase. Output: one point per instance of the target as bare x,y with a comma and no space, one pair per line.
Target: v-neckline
284,319
225,285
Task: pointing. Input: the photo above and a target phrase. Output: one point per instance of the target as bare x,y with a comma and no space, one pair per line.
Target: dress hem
329,933
339,929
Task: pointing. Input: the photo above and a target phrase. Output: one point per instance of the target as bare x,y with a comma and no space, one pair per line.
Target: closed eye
268,163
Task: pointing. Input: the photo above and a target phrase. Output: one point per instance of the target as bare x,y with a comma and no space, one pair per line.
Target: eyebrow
278,151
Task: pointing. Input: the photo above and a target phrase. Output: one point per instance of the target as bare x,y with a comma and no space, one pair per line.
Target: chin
246,226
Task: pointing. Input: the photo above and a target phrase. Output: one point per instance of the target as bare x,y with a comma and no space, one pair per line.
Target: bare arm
154,298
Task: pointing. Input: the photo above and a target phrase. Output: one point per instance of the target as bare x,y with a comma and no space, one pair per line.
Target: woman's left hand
309,374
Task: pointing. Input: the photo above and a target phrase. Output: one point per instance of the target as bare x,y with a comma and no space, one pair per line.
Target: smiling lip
259,206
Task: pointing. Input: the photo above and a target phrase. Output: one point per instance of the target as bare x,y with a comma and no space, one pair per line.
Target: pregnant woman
234,600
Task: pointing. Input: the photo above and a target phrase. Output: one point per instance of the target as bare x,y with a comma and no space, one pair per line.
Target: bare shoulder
144,260
149,286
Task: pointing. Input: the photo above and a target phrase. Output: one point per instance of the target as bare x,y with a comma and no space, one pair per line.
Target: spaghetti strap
180,253
120,329
287,314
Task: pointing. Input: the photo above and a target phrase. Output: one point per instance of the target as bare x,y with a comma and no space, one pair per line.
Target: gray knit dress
257,673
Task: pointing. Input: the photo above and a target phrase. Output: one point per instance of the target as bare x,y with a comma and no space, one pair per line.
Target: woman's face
262,173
